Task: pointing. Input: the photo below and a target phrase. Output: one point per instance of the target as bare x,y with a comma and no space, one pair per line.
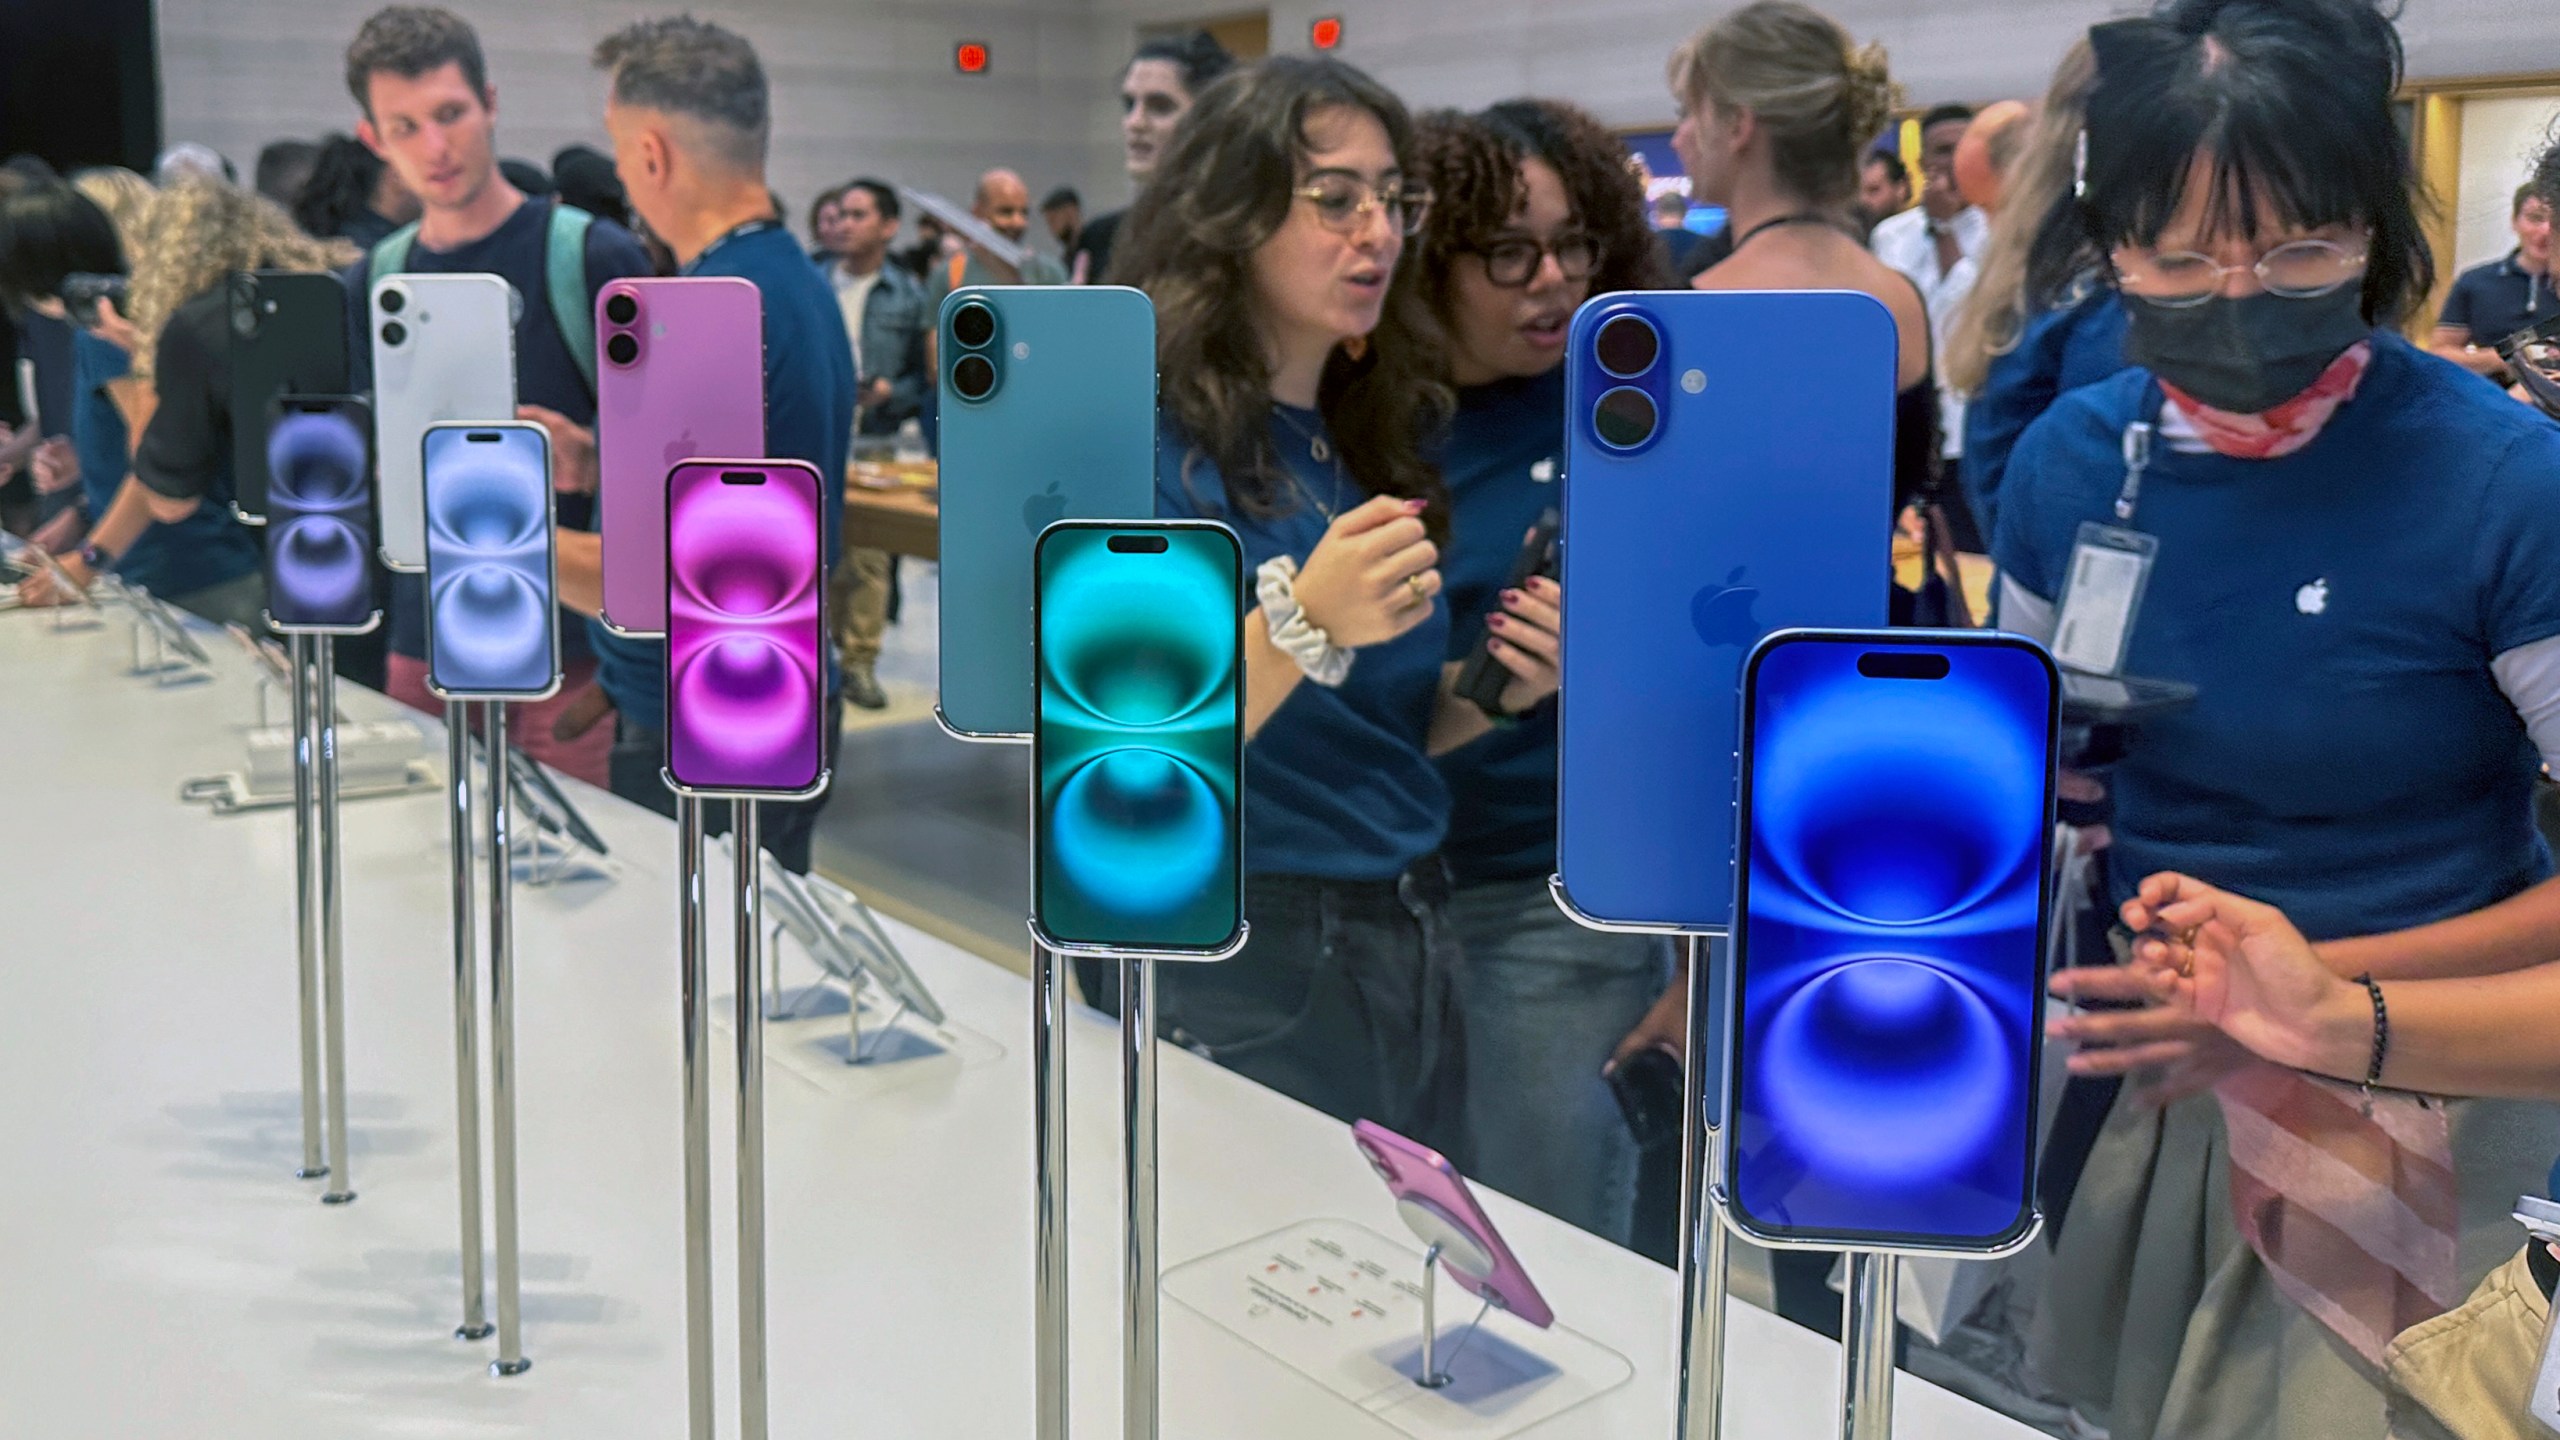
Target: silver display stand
1140,1319
319,924
1048,1147
747,897
1866,1346
506,1251
171,656
1699,1412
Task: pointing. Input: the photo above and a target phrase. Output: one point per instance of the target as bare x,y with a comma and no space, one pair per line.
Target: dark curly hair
1472,164
1223,188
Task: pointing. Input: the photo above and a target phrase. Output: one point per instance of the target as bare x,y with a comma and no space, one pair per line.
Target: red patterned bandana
2286,428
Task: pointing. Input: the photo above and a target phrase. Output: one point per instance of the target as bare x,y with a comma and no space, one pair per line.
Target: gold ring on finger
1414,584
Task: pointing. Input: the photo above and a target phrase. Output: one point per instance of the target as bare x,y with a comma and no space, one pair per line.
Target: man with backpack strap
430,113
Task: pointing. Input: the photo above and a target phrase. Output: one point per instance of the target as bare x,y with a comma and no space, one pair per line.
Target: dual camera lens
621,308
1627,347
973,377
392,302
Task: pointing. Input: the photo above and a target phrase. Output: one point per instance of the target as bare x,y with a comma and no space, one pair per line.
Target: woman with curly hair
1300,370
176,332
1537,210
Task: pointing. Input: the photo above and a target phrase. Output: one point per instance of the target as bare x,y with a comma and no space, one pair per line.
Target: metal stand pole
1049,1197
306,884
1866,1347
1138,1261
324,705
502,1043
466,1019
750,996
695,943
1432,1376
1702,1234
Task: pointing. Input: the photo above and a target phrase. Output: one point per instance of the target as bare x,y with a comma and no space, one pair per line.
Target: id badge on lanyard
2110,570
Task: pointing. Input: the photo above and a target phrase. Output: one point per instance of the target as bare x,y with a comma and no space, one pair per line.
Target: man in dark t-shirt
2493,301
430,112
690,116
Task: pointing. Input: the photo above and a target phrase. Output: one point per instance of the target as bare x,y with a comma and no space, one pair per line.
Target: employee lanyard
739,232
2137,456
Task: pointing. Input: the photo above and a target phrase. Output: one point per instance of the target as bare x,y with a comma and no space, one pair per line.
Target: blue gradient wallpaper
1888,957
1138,737
320,521
492,631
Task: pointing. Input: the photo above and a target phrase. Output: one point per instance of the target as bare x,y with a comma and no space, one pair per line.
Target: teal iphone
1048,414
1139,746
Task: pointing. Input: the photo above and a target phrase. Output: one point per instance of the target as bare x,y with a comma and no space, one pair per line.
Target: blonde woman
192,236
2043,319
1776,102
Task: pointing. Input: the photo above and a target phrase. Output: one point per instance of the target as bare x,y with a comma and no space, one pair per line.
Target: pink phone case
1418,1176
679,375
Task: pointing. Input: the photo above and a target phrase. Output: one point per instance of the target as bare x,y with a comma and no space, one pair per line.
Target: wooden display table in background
892,505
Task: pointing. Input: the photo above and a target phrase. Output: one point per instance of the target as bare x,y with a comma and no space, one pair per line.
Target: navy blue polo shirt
1338,783
809,395
2350,756
546,374
2493,301
1502,460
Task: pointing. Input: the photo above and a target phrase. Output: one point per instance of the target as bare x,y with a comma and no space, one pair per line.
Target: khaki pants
859,603
2465,1374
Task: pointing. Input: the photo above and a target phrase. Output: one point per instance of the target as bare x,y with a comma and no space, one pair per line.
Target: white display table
168,1276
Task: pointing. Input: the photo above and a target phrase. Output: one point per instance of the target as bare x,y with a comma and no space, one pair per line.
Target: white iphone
444,350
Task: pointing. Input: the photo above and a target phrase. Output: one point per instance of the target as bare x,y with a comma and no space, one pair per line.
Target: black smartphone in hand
1482,679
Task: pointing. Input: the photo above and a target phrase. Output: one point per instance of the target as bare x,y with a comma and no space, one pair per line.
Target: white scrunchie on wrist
1275,583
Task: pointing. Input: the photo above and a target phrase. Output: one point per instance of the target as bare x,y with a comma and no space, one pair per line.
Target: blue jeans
1546,1001
1344,999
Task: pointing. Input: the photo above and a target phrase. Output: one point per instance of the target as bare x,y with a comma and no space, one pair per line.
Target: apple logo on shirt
2313,598
1543,472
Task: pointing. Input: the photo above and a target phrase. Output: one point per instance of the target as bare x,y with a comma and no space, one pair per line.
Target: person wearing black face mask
2358,565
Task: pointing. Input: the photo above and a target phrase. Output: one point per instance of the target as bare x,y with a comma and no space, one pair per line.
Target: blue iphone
1048,414
1728,472
1888,966
493,619
1139,739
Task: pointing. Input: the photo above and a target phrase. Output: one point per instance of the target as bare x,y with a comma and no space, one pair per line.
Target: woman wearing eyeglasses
1534,212
1299,366
2358,565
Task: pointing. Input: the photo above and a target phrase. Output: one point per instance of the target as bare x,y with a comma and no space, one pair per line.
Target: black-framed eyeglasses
2534,356
1343,203
1513,263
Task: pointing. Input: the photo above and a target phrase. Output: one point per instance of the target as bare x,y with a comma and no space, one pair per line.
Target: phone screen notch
1903,665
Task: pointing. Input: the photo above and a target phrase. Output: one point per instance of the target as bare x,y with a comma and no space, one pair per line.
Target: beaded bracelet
2381,1030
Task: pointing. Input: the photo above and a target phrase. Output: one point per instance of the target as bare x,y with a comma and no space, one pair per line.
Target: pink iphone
746,628
1439,1207
680,376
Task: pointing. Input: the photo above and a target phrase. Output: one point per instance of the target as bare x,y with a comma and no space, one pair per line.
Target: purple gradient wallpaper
319,504
745,677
